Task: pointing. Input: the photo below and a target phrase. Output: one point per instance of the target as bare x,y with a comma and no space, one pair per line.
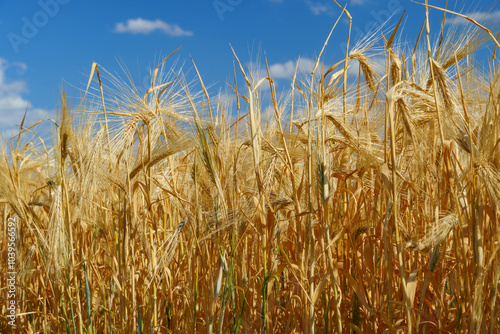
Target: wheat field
360,204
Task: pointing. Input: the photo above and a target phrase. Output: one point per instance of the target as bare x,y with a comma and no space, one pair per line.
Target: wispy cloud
480,17
358,2
319,8
12,103
286,70
142,26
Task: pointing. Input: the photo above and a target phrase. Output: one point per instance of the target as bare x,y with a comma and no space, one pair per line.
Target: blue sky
49,44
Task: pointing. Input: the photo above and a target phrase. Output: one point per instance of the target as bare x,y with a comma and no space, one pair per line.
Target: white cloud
358,2
12,104
319,8
286,70
142,26
480,17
